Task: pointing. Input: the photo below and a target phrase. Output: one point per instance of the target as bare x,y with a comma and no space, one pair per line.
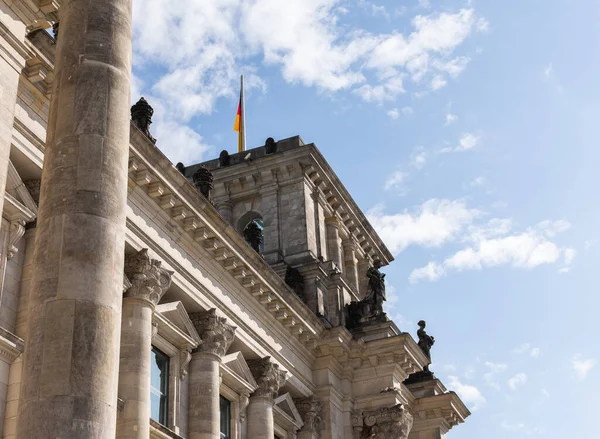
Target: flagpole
243,115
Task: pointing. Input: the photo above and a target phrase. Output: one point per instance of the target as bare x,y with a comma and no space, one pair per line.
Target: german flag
239,120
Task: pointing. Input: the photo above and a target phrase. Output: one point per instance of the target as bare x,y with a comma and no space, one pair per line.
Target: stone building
139,299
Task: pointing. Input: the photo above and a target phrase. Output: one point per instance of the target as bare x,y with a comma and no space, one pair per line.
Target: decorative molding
236,374
11,346
286,414
148,280
185,356
384,423
15,233
311,411
216,334
268,377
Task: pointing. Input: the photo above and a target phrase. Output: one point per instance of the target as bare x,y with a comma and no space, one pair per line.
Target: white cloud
512,427
522,348
478,181
494,369
424,4
468,393
516,381
483,25
535,353
418,158
568,256
430,272
438,82
466,142
526,348
450,119
582,366
492,246
548,71
545,393
396,181
394,113
431,224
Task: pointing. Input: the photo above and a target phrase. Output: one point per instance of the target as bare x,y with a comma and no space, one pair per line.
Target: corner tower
314,234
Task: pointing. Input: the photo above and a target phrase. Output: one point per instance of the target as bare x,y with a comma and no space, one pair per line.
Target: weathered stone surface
216,334
311,411
71,360
148,279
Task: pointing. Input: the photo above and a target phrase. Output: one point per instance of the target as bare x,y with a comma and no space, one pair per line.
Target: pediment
237,374
16,188
284,406
174,319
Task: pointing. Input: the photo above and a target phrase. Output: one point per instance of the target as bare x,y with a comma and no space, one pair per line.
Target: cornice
443,411
11,346
151,171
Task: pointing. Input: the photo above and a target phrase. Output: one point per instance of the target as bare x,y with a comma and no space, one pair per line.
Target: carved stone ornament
216,334
15,232
180,167
185,356
224,159
149,280
141,115
270,146
311,411
203,180
55,28
33,186
384,423
268,377
244,401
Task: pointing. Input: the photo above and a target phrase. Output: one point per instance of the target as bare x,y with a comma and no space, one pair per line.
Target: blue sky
468,132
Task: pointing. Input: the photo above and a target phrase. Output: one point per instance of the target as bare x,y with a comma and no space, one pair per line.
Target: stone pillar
351,264
384,423
225,208
9,430
204,374
311,411
334,247
260,409
269,208
148,283
75,305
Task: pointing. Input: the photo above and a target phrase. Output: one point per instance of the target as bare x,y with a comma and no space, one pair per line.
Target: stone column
311,411
334,247
384,423
148,283
269,208
71,360
351,264
204,374
260,409
225,208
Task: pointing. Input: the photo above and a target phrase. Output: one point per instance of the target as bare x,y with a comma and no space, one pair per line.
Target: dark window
225,418
159,386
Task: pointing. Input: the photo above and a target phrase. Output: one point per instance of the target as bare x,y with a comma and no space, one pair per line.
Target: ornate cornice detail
311,411
384,423
15,233
268,377
148,280
216,334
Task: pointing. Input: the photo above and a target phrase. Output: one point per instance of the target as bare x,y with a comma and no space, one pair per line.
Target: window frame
163,415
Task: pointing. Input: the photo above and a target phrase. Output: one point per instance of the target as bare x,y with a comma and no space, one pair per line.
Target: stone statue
180,167
270,146
376,293
203,180
55,28
224,159
254,236
141,115
425,342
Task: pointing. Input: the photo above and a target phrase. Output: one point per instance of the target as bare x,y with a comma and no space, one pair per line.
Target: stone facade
109,252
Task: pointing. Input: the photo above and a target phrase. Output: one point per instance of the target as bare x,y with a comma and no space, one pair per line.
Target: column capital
148,279
332,221
384,423
268,377
216,334
311,411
